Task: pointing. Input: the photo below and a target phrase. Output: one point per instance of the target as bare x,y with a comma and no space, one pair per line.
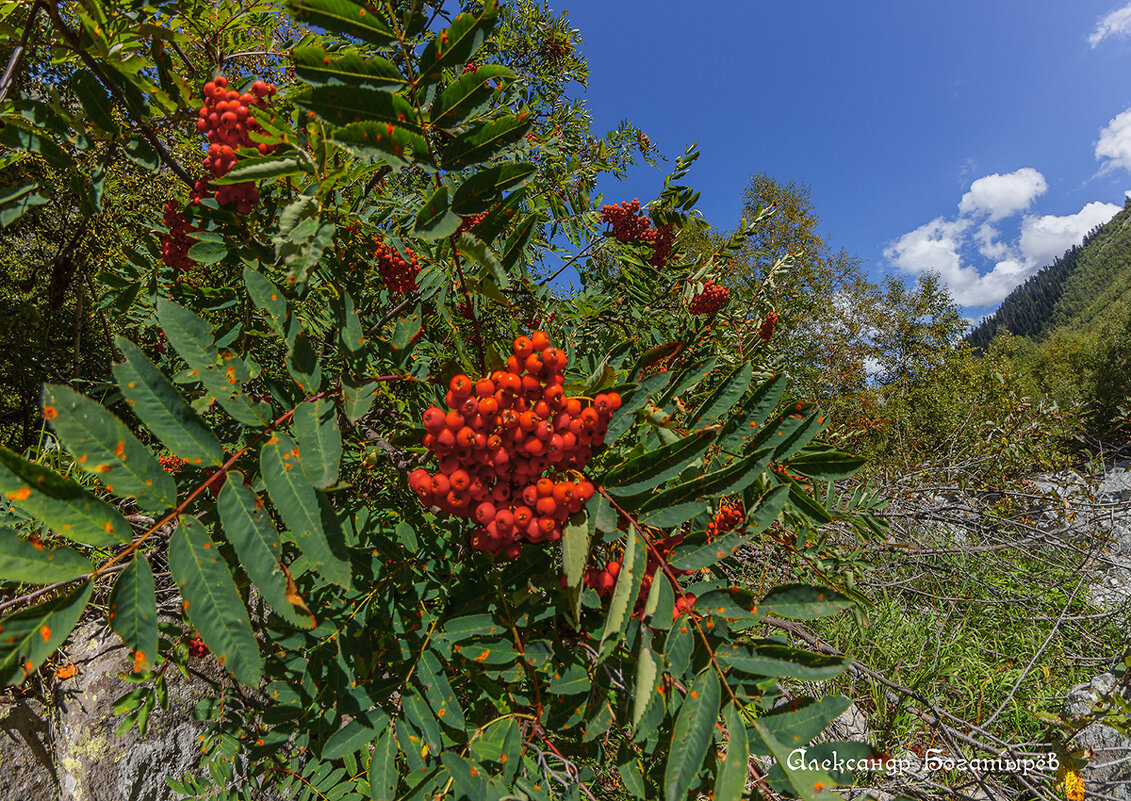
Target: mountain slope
1089,282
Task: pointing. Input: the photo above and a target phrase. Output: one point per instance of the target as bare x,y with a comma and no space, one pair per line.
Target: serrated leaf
477,192
223,376
262,168
208,252
138,150
457,43
626,414
626,591
730,781
251,532
355,735
743,428
383,776
485,141
417,712
728,481
343,16
133,611
435,220
801,436
19,200
152,397
693,557
804,602
807,784
319,441
63,505
346,105
575,553
808,506
651,469
801,721
388,142
358,399
317,65
30,636
95,101
780,660
648,676
518,241
469,779
299,506
725,396
438,692
692,734
826,465
104,446
212,600
465,96
32,563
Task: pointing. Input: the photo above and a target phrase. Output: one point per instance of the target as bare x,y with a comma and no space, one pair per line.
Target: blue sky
958,136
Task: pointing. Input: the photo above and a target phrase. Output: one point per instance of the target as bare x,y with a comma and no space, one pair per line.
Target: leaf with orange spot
133,606
32,635
88,430
62,504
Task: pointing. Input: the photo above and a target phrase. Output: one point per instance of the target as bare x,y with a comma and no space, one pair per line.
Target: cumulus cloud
1114,146
943,246
1117,23
1046,237
1001,196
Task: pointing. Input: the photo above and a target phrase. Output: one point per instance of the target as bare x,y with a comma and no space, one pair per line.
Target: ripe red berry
710,300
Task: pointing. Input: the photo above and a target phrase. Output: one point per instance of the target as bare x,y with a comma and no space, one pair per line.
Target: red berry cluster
469,222
226,119
602,580
629,225
399,275
175,244
171,464
499,437
710,300
197,648
768,325
658,556
726,519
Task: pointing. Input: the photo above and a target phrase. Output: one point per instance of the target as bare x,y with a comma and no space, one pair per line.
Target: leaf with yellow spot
29,637
112,452
63,505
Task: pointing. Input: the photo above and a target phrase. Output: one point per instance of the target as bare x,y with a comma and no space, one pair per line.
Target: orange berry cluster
399,275
710,300
499,437
175,244
226,119
767,329
629,225
726,519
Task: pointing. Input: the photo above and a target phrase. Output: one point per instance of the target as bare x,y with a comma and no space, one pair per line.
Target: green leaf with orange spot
691,556
692,734
742,430
212,601
133,611
301,509
730,780
104,446
438,692
33,563
383,774
359,20
157,403
725,396
66,508
625,592
457,43
485,141
30,636
319,441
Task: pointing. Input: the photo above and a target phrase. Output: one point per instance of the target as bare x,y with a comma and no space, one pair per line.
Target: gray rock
27,759
1109,773
851,725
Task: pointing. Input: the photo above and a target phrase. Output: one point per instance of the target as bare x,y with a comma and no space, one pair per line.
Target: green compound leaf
358,20
317,65
346,105
723,399
212,601
804,602
478,192
692,735
133,611
693,557
799,722
319,442
730,781
30,636
626,591
252,533
222,374
744,428
648,677
104,446
32,563
157,403
827,465
66,508
728,481
438,692
299,506
457,43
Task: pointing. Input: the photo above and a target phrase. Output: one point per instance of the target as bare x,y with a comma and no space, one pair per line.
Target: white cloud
1117,23
1000,195
940,246
1114,145
1046,237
